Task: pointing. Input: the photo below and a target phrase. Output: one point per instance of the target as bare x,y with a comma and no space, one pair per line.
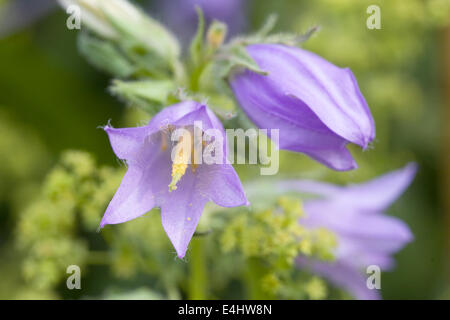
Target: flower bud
317,106
216,34
121,21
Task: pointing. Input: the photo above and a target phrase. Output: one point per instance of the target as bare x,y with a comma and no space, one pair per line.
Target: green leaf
149,95
196,48
236,58
291,39
104,56
268,25
133,23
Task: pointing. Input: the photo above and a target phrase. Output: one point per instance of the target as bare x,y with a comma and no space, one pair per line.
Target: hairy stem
198,280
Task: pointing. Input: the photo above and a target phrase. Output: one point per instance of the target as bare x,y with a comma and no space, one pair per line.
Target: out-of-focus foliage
270,241
75,192
23,155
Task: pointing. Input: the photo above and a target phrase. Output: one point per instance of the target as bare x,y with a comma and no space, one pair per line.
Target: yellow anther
164,138
180,163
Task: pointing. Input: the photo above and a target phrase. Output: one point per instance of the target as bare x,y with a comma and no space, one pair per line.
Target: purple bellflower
180,189
317,106
364,234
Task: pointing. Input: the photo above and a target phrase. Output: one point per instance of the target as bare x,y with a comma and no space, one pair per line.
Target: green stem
172,291
254,275
98,258
196,76
198,281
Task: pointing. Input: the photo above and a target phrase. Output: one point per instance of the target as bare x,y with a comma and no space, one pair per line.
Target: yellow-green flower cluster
72,199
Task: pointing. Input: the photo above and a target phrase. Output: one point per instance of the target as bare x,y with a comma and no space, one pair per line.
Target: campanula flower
365,235
317,106
156,177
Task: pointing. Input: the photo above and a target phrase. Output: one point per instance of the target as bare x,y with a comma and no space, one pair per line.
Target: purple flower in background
365,235
182,18
317,106
18,14
147,152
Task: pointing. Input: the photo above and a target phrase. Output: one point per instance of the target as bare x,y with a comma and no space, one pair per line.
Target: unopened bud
123,22
216,34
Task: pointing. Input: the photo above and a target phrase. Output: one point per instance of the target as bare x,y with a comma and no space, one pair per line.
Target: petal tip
181,256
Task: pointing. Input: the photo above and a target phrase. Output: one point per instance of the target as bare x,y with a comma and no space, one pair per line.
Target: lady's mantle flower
179,188
365,235
317,106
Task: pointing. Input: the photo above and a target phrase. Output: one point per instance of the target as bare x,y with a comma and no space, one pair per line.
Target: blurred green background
51,100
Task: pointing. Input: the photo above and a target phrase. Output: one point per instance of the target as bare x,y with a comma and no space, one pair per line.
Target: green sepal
196,48
141,28
234,59
104,56
149,95
263,35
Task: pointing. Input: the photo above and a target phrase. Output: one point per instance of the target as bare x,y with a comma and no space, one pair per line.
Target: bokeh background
52,100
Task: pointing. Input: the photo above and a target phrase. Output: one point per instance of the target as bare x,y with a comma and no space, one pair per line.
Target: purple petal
226,189
330,92
181,211
306,134
127,142
364,234
373,196
380,193
141,186
343,276
146,183
317,106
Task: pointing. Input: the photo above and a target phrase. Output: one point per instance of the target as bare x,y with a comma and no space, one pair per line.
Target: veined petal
146,183
347,221
330,92
300,132
342,276
141,186
126,142
380,193
181,209
226,189
373,196
365,236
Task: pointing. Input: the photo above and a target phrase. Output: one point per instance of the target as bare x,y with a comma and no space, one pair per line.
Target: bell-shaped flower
317,106
165,174
365,236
